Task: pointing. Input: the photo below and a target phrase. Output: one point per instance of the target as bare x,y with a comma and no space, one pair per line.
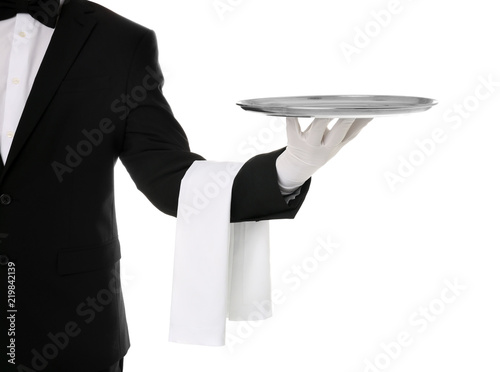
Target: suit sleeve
156,153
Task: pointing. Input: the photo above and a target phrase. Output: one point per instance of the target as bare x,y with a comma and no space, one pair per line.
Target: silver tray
338,106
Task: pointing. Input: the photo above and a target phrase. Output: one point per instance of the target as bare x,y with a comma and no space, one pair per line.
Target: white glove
308,151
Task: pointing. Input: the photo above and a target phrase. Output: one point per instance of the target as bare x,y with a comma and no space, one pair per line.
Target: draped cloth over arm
221,269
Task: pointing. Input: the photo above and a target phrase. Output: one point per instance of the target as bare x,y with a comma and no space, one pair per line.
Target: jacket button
5,199
4,260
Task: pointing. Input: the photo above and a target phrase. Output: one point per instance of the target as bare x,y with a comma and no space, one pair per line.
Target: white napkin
221,269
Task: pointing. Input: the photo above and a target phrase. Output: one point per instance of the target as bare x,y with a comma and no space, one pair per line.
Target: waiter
80,87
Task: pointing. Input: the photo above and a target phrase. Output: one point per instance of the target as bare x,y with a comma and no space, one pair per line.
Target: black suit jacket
97,97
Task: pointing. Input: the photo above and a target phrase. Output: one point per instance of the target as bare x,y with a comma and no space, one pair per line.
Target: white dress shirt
23,42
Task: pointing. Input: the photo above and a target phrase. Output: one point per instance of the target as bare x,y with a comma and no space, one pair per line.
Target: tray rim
255,105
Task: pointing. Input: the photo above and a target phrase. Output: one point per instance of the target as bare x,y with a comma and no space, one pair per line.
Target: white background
397,246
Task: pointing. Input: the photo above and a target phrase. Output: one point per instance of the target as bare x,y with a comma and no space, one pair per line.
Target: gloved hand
308,151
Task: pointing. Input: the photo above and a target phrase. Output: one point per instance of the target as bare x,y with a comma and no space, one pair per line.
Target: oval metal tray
338,106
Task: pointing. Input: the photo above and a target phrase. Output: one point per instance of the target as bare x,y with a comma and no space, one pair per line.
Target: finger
316,130
355,129
293,128
335,135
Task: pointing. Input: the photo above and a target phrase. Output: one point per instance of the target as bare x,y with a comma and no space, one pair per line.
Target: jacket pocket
81,85
83,259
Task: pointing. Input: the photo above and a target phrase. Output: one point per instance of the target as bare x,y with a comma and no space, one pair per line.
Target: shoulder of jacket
109,18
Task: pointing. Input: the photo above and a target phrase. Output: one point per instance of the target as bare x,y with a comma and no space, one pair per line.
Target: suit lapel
72,30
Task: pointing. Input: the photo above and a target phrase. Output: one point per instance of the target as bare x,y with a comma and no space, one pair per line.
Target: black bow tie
44,11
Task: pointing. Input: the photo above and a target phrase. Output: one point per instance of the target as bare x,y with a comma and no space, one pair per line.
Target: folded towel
221,269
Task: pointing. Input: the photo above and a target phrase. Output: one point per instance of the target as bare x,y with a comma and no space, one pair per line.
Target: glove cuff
292,172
